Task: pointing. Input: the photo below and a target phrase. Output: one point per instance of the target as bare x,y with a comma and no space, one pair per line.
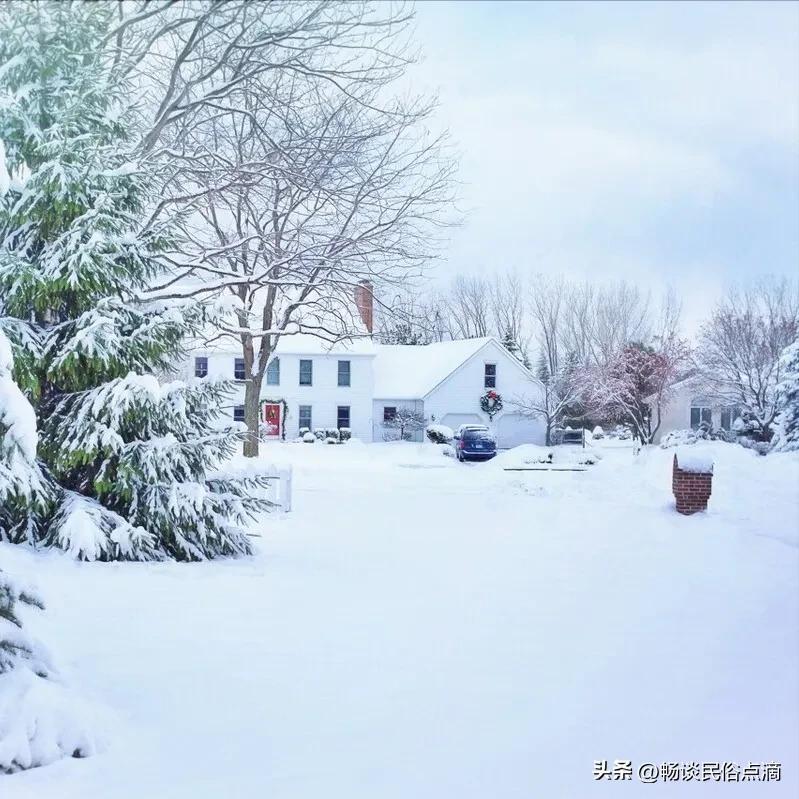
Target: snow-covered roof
295,344
412,372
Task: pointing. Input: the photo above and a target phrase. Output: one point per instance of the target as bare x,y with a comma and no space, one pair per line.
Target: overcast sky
653,142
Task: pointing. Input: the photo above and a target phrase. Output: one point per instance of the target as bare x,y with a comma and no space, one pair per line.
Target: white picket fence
280,486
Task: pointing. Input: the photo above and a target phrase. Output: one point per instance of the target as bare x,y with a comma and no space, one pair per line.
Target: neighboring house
445,381
687,410
360,384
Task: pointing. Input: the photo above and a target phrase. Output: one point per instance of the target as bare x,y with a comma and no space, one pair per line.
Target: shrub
760,447
345,434
304,430
320,433
439,434
309,437
597,432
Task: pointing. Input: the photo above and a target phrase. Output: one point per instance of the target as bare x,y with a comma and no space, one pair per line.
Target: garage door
455,420
512,429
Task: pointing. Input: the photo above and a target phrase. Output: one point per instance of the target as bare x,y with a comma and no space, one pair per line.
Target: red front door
272,419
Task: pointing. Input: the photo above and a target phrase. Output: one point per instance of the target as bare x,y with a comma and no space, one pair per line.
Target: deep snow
422,628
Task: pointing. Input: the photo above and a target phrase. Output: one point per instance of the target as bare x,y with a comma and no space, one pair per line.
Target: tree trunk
252,416
548,437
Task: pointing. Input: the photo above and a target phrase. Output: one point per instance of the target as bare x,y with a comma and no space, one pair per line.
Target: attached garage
512,429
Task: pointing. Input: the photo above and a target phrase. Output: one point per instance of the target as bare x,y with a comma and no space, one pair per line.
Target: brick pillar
691,489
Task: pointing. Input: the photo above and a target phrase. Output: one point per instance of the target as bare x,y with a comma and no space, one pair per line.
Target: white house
309,383
445,381
360,384
687,410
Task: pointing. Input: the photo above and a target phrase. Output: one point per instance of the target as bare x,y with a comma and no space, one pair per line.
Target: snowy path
414,632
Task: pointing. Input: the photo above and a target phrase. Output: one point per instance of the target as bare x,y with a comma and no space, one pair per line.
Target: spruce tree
787,398
127,459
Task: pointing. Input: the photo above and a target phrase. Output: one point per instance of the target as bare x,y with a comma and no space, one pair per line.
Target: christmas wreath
491,403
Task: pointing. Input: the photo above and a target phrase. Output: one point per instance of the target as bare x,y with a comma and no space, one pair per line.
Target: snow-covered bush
309,438
345,434
320,433
40,721
597,433
760,447
127,460
676,438
621,432
304,430
439,433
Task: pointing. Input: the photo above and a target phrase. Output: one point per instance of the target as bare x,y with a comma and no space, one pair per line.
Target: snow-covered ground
421,628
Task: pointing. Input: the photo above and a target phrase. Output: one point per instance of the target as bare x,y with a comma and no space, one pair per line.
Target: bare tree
469,307
738,355
322,194
506,295
551,396
601,320
406,422
547,302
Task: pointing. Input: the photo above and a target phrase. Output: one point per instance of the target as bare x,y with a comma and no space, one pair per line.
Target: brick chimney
365,302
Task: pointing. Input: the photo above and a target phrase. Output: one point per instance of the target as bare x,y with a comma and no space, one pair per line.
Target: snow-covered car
474,442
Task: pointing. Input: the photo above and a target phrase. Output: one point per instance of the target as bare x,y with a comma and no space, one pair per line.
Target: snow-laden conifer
127,459
787,394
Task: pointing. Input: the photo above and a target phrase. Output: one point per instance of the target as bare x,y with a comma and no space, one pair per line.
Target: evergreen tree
509,343
127,459
787,396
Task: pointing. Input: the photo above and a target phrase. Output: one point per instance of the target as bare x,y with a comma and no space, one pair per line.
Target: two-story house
360,384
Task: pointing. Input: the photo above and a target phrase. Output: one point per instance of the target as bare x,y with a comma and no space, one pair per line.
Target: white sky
653,142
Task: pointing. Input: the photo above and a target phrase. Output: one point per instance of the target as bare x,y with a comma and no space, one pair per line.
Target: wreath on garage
491,403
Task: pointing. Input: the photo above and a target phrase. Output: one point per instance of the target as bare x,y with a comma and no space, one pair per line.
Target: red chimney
365,302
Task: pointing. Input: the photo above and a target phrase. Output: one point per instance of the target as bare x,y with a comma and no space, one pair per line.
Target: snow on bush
597,432
677,438
308,437
345,433
439,433
40,720
694,461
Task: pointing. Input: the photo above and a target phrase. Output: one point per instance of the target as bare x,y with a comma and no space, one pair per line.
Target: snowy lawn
423,628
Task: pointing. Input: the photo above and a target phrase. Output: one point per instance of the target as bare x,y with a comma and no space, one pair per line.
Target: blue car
473,443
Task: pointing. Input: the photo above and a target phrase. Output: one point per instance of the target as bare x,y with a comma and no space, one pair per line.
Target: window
491,375
273,372
201,367
343,373
238,369
699,416
306,373
343,416
238,413
389,413
727,417
305,416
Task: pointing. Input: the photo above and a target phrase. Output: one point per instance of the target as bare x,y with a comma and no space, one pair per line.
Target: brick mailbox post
691,482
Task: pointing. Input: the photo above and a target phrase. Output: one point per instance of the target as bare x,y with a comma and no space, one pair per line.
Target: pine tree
22,487
127,459
787,398
509,343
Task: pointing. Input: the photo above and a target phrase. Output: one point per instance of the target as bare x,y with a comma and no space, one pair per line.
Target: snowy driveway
421,629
